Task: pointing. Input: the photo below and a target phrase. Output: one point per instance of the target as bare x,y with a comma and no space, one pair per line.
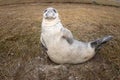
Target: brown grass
100,2
21,57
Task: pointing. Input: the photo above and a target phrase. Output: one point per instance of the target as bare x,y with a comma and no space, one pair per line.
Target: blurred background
101,2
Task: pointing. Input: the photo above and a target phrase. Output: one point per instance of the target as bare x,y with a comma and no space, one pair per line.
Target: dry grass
100,2
20,46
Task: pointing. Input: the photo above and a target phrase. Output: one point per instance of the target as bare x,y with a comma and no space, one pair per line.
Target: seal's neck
49,23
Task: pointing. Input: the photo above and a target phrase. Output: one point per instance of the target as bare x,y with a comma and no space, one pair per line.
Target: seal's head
50,14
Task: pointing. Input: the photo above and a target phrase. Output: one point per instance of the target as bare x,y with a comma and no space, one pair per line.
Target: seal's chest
52,32
51,36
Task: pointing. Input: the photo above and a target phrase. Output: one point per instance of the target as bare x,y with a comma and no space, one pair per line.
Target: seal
60,44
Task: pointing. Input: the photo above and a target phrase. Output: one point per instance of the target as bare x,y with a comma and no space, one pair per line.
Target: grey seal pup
60,44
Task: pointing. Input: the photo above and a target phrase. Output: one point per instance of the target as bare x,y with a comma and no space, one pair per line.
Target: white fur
59,49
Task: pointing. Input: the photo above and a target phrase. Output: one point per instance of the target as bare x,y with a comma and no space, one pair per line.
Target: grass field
21,57
100,2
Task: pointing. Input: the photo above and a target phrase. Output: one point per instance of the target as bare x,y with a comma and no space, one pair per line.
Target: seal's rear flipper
99,42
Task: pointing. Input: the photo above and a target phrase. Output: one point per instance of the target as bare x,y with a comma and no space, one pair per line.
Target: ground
21,57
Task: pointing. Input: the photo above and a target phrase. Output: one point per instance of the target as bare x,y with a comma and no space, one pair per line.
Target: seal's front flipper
43,47
67,35
97,44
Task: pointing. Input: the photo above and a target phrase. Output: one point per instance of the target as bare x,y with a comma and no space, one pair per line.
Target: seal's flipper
99,42
43,45
67,35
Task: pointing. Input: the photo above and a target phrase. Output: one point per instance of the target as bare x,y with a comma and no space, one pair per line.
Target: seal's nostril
46,14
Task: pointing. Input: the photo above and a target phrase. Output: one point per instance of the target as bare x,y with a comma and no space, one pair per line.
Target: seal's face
50,13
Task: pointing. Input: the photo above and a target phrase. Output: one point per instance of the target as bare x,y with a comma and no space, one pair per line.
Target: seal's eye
54,10
45,10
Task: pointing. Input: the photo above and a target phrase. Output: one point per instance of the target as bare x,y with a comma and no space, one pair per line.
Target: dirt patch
21,57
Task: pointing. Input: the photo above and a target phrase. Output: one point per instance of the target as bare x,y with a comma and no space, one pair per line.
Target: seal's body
60,44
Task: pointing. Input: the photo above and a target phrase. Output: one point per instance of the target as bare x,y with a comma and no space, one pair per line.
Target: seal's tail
97,44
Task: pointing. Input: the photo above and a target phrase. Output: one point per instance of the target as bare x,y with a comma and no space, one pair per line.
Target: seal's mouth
50,13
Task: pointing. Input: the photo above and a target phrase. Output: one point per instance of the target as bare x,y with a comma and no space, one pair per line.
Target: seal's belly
69,54
64,57
51,40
